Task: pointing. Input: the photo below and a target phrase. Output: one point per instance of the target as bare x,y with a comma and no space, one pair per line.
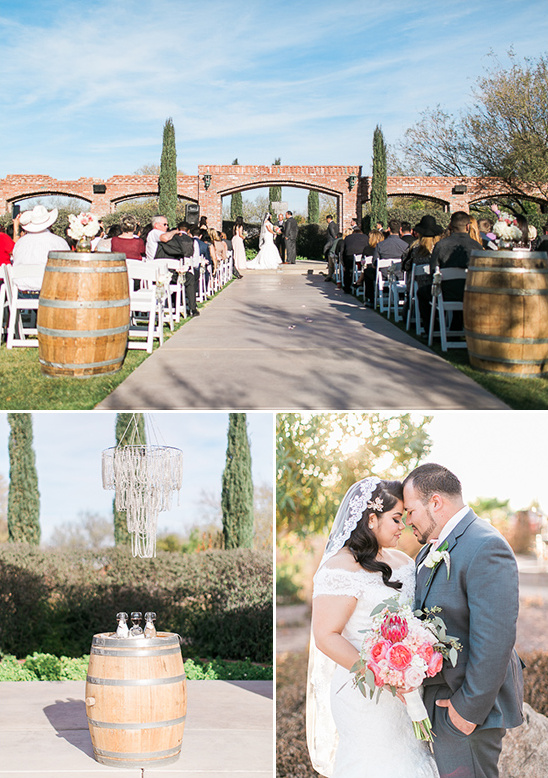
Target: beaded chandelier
144,478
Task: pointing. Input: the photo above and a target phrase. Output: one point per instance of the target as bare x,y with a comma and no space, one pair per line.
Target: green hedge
220,602
48,667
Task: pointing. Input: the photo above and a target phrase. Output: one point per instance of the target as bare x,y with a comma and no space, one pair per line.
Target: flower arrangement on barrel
83,228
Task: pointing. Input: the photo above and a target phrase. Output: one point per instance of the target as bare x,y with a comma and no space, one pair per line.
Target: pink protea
394,628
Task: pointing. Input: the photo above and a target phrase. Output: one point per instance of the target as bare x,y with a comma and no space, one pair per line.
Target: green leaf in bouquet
356,666
370,679
453,656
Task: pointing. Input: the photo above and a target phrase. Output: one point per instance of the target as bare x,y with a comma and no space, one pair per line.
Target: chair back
452,273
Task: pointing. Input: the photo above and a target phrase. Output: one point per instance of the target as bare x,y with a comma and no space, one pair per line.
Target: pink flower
394,629
425,652
378,651
399,656
435,664
413,677
376,670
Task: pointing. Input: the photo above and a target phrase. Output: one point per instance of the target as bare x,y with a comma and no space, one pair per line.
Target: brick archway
214,182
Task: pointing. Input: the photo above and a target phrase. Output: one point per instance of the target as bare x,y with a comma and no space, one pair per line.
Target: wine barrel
136,700
506,312
83,314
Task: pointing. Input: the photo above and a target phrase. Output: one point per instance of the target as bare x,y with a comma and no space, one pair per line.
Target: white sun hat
38,219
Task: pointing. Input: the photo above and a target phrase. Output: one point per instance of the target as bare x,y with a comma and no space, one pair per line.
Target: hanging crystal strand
136,631
150,629
123,629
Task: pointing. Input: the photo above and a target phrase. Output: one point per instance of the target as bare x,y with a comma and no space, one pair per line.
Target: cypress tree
167,182
379,212
313,207
237,489
236,202
23,495
127,433
274,192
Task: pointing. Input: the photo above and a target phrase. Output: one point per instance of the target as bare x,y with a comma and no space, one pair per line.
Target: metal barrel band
55,269
83,333
143,652
81,365
128,764
136,725
507,361
508,291
503,339
136,681
511,270
81,304
144,755
170,638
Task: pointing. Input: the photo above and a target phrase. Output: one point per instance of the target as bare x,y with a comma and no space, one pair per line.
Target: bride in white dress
268,257
349,735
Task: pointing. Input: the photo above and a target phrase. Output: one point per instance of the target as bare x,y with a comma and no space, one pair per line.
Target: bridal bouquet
506,226
85,225
400,650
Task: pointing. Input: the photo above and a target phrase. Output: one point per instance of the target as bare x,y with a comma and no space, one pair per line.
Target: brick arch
45,193
422,196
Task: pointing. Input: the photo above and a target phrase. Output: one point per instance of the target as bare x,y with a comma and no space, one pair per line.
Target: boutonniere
435,558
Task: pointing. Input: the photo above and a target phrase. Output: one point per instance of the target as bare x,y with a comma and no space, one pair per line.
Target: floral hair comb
376,504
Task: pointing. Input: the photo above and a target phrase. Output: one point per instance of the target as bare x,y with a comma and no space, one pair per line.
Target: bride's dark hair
363,543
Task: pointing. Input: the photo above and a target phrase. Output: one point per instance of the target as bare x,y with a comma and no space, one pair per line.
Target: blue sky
86,87
68,448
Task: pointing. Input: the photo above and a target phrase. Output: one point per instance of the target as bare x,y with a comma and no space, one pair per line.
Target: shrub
220,602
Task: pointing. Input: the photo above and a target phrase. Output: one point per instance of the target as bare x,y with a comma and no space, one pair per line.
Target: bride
268,257
349,735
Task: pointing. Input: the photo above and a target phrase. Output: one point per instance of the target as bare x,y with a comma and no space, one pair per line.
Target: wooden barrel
83,314
506,312
136,700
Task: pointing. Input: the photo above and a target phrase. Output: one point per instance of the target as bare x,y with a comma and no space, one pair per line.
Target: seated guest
406,234
158,234
353,244
33,247
542,245
6,246
105,244
486,234
420,252
126,242
369,272
393,246
474,230
453,251
181,246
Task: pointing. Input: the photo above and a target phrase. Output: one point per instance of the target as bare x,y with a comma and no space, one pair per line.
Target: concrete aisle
285,339
228,732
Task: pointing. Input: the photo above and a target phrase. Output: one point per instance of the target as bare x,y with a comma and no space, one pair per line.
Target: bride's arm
329,617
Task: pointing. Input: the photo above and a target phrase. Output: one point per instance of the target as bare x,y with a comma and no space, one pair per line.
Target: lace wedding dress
268,257
349,735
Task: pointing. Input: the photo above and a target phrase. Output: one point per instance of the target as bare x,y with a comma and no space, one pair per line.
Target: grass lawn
23,386
518,393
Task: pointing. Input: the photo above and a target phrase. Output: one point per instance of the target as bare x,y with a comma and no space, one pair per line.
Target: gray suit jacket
291,229
480,607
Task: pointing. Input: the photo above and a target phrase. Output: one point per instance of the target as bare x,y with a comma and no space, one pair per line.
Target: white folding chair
147,303
176,288
4,309
17,304
445,308
397,290
356,272
338,271
381,284
413,311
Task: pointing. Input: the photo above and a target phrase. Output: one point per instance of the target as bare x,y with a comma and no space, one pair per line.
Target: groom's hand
466,727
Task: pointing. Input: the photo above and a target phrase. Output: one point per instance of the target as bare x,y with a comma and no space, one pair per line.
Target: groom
290,236
473,704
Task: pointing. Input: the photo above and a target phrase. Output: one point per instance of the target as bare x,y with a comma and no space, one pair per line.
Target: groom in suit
472,704
290,236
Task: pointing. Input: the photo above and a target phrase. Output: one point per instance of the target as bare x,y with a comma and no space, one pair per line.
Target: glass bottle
150,629
136,631
123,629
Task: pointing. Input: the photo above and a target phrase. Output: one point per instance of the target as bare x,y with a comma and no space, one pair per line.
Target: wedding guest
332,232
474,230
126,242
105,244
353,244
331,256
33,247
158,234
393,246
485,231
101,234
6,246
370,271
406,233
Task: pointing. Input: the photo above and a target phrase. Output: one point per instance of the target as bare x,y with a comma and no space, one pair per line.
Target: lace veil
263,229
321,733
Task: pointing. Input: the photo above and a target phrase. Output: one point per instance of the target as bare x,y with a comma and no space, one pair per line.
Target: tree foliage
504,133
320,455
89,532
378,180
237,486
236,201
129,429
275,192
23,496
167,182
313,207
